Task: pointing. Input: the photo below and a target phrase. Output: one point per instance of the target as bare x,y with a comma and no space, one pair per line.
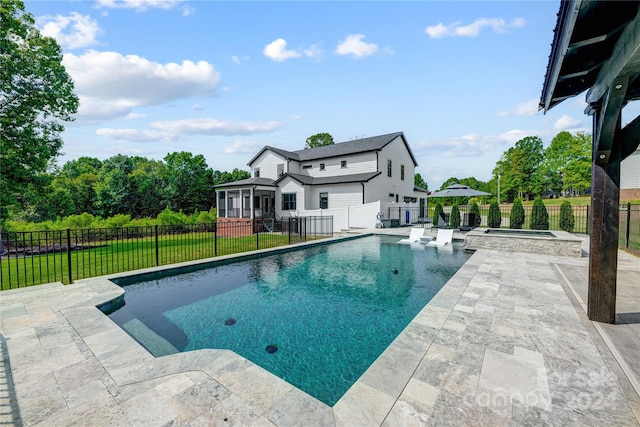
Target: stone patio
505,342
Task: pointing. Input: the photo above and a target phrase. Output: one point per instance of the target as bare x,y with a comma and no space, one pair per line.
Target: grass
130,254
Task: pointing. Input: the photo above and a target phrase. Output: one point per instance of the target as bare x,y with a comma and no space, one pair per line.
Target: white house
352,181
630,177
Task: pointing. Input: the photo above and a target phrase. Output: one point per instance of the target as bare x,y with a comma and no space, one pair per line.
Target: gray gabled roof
374,143
340,179
249,181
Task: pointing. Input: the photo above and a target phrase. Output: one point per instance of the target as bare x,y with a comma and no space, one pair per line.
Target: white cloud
470,145
132,116
71,31
314,51
354,45
138,5
208,126
527,108
566,122
456,29
110,85
243,147
136,135
277,51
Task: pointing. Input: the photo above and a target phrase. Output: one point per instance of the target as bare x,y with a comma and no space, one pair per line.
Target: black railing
36,257
629,225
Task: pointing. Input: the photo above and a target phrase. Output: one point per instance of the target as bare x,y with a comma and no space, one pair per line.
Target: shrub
495,217
475,210
539,215
436,213
454,218
567,220
117,221
516,218
84,220
168,217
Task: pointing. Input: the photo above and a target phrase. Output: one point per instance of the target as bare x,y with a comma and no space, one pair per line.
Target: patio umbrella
458,190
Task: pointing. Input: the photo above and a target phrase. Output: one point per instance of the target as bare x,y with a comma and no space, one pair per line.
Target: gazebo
596,48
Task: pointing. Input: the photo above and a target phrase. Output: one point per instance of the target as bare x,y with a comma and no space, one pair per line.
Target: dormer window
321,166
343,163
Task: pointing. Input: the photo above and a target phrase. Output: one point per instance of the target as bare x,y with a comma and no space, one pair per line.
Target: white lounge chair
444,237
414,236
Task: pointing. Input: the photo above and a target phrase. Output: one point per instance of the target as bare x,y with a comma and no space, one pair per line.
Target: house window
306,167
289,201
389,168
324,200
256,173
321,166
391,195
396,198
343,163
280,169
402,172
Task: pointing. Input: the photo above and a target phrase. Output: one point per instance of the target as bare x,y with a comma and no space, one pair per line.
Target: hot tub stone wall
563,244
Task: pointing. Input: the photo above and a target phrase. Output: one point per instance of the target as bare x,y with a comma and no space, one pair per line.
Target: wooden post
605,215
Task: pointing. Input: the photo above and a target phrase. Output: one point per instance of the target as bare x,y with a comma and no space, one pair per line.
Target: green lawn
130,254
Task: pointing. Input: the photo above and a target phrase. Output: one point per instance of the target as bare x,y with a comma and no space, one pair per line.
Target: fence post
626,246
157,247
254,226
69,263
289,230
588,223
215,238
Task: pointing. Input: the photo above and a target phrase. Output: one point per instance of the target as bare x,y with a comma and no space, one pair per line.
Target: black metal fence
36,257
629,220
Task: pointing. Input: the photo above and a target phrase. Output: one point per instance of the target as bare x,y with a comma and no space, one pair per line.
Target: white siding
356,163
268,164
381,186
340,195
630,172
289,185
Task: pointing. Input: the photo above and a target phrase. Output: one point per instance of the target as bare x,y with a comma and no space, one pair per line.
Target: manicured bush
436,213
516,218
168,217
567,220
454,218
475,210
495,217
539,215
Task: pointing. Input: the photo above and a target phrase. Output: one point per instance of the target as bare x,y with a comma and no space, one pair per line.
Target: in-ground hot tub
559,243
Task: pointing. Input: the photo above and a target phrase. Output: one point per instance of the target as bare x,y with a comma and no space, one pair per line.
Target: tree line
528,170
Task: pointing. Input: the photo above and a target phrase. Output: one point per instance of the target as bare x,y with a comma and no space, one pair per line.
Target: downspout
362,183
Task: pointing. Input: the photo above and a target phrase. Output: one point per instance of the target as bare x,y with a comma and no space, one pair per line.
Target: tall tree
318,140
418,181
36,96
519,172
567,163
189,182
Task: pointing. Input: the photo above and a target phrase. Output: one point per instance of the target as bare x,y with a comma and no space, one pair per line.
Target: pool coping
369,399
219,385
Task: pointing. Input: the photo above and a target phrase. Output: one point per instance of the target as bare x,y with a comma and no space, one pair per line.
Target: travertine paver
505,342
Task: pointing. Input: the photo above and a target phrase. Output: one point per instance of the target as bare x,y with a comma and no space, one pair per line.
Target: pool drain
230,321
272,348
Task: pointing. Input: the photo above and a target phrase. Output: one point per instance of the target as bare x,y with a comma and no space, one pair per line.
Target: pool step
153,342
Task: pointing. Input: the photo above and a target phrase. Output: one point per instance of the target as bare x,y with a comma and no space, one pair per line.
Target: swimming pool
317,317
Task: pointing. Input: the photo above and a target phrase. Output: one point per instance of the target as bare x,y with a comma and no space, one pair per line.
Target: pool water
329,310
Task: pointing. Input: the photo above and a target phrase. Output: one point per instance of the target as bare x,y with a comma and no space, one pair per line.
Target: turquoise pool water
329,310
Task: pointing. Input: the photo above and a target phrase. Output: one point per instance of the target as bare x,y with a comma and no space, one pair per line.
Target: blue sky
462,80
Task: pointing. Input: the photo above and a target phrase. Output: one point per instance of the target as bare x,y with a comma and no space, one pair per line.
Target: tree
518,169
189,182
454,219
516,218
437,211
419,182
318,140
495,216
567,163
475,211
36,95
567,219
539,215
